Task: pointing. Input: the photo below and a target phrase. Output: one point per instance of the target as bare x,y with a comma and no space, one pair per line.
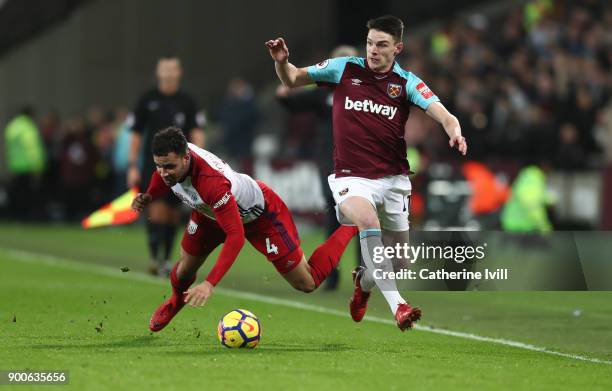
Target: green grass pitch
75,310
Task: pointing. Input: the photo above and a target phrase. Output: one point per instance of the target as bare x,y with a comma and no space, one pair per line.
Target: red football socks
325,258
178,286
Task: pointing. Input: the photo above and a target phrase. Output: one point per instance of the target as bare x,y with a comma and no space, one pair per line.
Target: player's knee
305,286
368,222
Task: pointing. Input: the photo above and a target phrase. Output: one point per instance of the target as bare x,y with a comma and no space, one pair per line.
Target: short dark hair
388,24
169,140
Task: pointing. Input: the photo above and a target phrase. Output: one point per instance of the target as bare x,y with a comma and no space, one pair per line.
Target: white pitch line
32,257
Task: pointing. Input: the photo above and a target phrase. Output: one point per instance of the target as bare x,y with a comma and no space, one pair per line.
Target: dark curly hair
169,140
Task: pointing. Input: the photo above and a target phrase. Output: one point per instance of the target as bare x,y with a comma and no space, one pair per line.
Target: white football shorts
389,195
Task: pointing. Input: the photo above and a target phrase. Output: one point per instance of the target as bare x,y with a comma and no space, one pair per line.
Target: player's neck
387,69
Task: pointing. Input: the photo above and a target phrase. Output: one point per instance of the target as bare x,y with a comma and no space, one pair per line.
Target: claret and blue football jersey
370,111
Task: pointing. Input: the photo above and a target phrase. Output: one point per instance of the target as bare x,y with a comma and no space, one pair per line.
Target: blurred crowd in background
530,87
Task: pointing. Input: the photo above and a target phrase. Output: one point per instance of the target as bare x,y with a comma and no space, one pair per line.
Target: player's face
172,167
168,75
381,50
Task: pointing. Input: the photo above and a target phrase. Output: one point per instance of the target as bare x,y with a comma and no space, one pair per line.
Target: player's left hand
198,295
460,142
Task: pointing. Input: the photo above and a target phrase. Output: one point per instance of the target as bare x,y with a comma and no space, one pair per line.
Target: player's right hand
278,50
133,177
140,201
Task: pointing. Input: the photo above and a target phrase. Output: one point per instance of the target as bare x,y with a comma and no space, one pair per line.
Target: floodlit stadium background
530,82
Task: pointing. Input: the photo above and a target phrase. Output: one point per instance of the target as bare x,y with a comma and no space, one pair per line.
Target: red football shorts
273,233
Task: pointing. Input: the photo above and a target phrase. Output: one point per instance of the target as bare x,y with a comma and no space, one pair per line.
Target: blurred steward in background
26,160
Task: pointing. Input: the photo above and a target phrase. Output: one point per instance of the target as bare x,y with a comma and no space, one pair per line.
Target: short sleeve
418,93
328,71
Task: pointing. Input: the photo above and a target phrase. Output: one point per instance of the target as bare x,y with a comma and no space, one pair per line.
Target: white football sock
369,240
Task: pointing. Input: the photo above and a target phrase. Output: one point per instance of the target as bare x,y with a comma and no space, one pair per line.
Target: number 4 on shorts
271,248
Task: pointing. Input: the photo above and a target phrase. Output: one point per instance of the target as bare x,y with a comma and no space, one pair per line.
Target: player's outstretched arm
141,201
228,218
451,125
289,74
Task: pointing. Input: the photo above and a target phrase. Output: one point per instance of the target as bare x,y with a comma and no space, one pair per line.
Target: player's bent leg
300,277
308,275
182,275
327,256
360,211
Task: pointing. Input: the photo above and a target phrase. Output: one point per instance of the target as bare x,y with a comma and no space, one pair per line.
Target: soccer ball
239,329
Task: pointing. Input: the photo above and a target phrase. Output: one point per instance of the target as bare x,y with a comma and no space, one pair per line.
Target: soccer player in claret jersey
228,207
371,103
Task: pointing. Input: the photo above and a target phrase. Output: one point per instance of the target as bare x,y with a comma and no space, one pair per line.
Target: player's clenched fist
140,201
278,49
459,142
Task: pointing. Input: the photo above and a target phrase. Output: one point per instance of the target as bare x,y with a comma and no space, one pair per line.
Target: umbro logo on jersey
343,192
356,82
367,106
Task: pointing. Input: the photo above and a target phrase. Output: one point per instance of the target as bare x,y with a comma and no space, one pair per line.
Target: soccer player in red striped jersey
372,98
229,208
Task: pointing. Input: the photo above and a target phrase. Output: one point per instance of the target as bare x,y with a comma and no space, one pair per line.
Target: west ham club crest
394,90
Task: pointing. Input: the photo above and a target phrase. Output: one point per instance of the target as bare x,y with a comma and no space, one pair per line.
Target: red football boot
406,315
169,308
165,312
359,302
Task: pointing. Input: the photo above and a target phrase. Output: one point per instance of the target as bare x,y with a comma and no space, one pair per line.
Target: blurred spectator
488,194
238,116
120,154
26,159
570,154
50,129
77,169
102,130
604,131
513,76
